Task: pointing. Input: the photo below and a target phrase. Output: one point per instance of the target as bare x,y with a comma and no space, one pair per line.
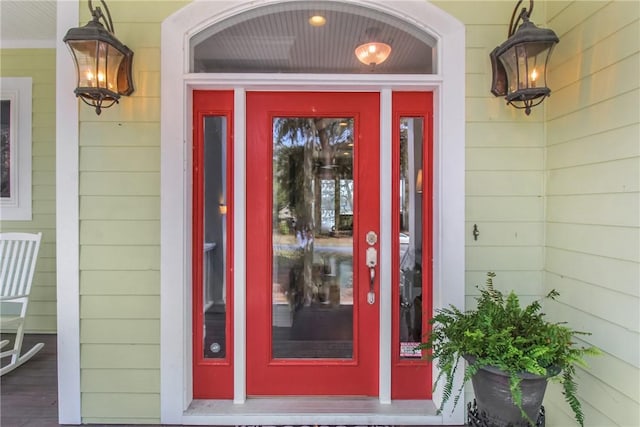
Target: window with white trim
15,148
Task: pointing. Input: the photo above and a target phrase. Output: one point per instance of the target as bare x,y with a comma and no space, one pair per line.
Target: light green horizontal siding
594,269
492,109
115,282
121,330
120,159
119,257
121,381
521,282
39,64
503,208
119,356
612,338
505,183
114,420
121,307
504,159
595,148
120,208
131,108
120,233
600,301
613,78
504,134
592,229
618,176
504,163
106,232
504,258
509,234
606,241
604,116
128,406
107,136
119,184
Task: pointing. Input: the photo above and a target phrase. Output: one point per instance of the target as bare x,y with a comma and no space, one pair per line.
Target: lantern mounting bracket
524,14
97,15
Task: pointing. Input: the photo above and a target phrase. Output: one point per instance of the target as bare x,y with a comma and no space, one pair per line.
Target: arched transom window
283,38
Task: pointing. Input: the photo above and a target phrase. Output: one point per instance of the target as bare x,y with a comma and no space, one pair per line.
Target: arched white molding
449,122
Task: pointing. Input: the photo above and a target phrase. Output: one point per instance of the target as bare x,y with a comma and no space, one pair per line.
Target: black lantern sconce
520,64
103,63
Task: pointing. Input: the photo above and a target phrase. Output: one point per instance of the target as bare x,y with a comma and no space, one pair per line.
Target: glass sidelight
212,245
411,235
312,238
214,232
412,245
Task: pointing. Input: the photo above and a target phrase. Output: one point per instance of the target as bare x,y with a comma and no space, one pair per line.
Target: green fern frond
570,391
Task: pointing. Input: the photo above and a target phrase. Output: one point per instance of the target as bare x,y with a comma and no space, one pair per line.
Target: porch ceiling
27,23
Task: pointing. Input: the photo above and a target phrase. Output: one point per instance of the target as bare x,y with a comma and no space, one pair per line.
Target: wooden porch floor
29,394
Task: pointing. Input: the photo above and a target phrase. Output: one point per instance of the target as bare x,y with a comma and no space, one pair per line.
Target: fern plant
502,334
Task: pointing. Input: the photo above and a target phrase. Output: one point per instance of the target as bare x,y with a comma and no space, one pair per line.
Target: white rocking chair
18,255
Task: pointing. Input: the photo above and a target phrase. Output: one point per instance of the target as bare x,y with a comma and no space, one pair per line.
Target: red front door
312,213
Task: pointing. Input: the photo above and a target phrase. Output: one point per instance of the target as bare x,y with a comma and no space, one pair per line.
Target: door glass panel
214,230
313,194
411,185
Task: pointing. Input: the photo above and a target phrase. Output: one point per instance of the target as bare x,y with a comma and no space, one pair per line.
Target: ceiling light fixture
317,21
373,52
103,63
520,63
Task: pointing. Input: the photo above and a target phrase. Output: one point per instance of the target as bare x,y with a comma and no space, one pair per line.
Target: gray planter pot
493,396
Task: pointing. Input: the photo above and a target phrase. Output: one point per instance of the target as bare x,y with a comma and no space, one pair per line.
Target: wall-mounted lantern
103,63
520,63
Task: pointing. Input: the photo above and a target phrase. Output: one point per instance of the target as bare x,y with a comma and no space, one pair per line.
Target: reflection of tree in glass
306,152
404,162
5,149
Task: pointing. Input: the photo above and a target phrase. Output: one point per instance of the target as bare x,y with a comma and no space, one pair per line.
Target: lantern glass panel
85,53
97,63
538,54
113,59
510,61
525,65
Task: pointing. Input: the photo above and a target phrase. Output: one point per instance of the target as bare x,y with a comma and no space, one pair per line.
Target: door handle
371,295
372,262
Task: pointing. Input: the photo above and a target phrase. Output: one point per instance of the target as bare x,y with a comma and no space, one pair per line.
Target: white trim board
67,222
176,84
386,214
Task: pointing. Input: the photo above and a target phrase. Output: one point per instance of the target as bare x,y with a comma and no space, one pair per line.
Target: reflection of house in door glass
328,207
5,148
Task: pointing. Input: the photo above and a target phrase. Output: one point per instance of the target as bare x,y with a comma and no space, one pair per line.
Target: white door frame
448,205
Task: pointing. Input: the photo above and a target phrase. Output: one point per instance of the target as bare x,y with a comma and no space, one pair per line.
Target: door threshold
312,411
